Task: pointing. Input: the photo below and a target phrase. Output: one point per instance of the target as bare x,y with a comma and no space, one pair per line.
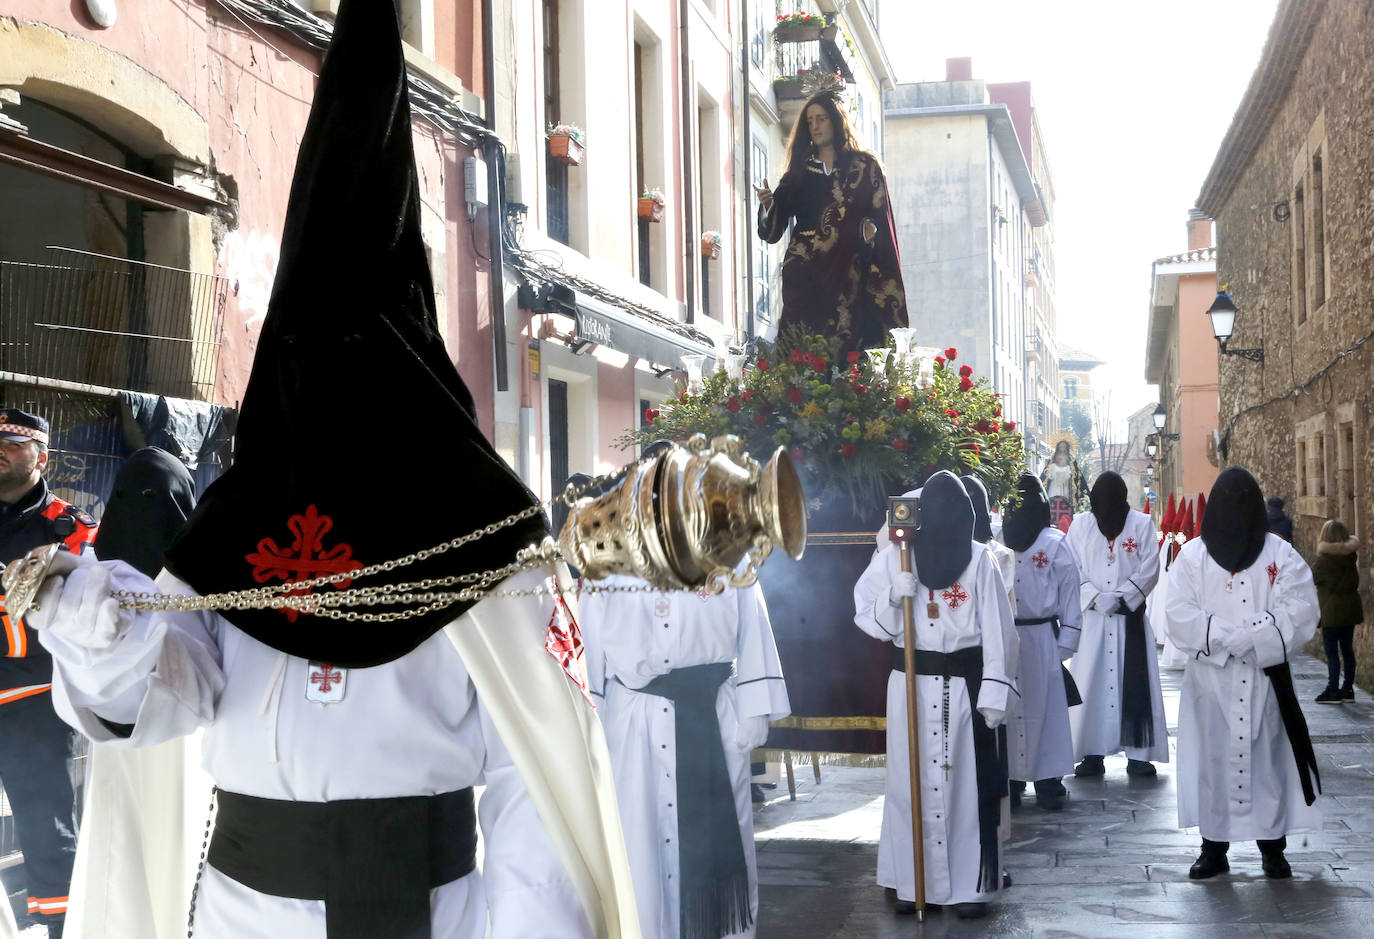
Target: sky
1133,100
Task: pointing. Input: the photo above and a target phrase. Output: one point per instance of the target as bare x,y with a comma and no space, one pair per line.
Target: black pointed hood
152,496
1023,524
978,498
1109,503
1235,525
350,383
943,545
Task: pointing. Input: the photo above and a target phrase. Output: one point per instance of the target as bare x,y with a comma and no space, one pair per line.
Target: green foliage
854,427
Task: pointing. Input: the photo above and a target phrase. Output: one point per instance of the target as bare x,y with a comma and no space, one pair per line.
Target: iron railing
112,322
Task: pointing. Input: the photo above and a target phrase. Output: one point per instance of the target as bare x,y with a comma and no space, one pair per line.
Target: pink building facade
1181,359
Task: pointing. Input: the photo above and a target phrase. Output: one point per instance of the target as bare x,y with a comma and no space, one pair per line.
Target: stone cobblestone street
1113,863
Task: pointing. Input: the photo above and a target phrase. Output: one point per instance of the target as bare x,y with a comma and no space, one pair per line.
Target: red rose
650,414
849,449
952,413
860,389
682,396
970,446
1009,426
818,363
939,362
852,357
746,394
732,404
899,444
902,404
794,396
997,411
965,384
760,418
966,371
951,353
981,427
763,365
798,356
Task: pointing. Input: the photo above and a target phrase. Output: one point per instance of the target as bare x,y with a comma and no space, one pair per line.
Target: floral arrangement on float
859,426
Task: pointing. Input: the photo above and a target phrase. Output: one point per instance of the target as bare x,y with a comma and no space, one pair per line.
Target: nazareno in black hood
1110,507
1235,525
1023,524
943,545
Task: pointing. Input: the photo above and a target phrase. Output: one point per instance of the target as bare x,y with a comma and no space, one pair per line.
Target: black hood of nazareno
1023,524
1235,525
943,545
1110,508
352,387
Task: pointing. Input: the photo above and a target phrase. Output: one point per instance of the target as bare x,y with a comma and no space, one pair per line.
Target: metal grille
112,322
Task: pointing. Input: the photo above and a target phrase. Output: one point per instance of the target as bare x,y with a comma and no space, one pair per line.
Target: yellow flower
812,409
877,429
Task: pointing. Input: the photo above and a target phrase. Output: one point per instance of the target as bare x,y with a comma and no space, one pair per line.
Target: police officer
35,745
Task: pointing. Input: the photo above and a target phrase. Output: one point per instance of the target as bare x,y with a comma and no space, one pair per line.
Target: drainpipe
491,152
748,228
688,212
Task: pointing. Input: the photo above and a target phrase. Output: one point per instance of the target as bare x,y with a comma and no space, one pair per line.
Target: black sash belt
1070,686
372,861
1295,726
992,774
1137,714
713,877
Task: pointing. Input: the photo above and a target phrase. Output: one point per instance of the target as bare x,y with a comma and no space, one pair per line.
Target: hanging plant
567,144
652,202
710,245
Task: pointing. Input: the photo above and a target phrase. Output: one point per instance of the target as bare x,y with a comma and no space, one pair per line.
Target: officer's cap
21,425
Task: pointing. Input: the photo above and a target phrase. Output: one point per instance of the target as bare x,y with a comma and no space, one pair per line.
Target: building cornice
1289,35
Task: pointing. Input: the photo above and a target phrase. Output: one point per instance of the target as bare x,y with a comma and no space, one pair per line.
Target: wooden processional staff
903,518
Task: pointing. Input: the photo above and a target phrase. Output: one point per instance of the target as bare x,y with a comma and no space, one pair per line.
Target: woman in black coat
1337,575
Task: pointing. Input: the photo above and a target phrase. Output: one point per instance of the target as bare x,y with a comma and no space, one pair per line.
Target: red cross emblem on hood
305,559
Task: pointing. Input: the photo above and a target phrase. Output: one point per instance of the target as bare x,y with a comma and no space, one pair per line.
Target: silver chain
422,596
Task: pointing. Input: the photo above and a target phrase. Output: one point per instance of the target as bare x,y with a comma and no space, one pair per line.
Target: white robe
633,638
413,726
1237,777
1128,566
1039,743
976,613
1171,657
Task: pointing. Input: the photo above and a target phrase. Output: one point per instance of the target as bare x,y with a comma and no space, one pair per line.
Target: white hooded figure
964,637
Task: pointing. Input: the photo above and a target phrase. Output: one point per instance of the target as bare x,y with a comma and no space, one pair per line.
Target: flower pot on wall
710,251
796,33
788,90
829,32
651,210
566,150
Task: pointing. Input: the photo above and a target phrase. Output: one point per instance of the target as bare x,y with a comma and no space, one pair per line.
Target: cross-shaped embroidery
305,559
1273,571
327,677
563,641
1129,545
954,595
1040,558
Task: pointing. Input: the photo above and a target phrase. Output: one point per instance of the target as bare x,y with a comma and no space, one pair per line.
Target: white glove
992,717
1238,640
1106,602
75,605
903,585
751,732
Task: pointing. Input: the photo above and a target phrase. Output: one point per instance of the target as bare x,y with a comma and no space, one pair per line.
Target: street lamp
1222,313
1150,475
1151,446
1160,416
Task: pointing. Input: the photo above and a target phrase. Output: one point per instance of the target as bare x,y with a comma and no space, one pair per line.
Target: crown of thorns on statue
819,82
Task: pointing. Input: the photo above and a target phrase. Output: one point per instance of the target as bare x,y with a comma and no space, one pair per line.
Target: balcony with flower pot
567,144
803,27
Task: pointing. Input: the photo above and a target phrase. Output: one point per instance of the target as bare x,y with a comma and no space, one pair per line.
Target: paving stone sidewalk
1113,863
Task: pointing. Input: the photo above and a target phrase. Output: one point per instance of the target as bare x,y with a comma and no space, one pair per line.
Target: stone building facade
1289,190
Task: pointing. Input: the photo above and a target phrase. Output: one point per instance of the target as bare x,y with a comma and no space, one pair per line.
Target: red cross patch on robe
324,683
1273,571
563,641
955,596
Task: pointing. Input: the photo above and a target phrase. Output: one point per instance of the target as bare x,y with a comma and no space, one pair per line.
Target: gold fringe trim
803,758
831,723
